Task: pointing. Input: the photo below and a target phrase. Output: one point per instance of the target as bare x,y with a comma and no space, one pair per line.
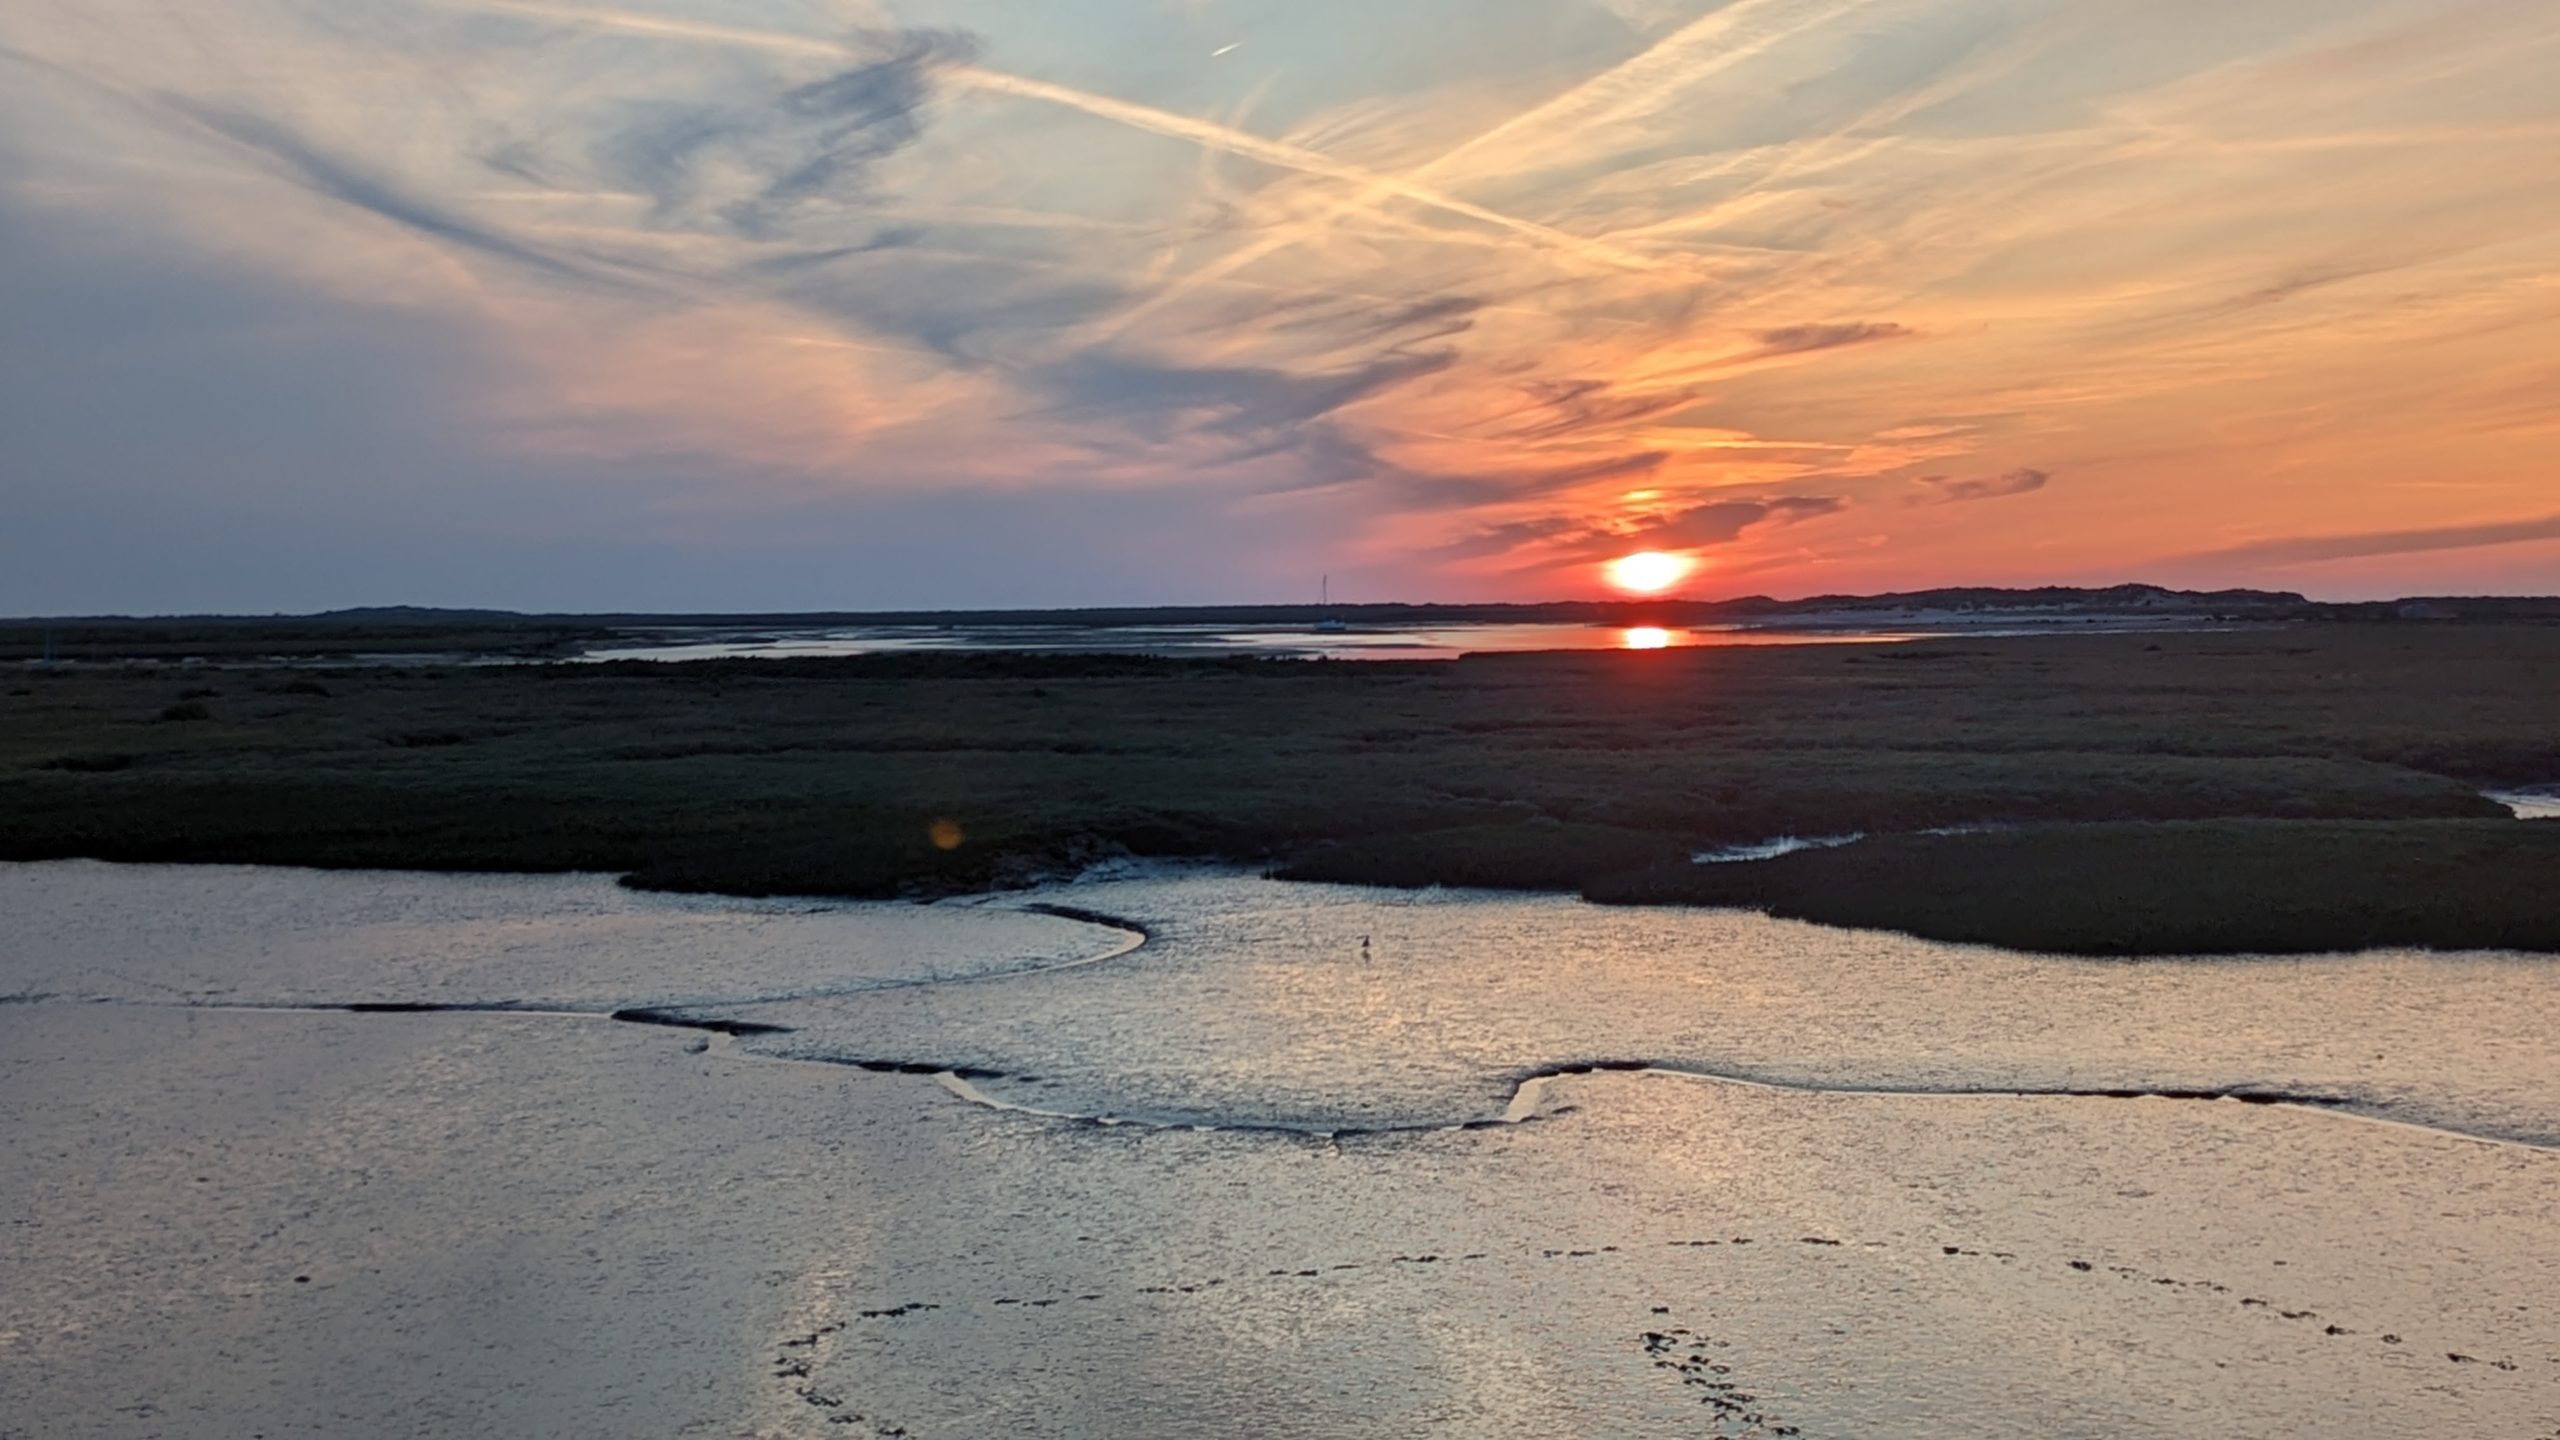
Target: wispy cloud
1558,540
1780,280
753,166
1149,118
1949,490
1158,399
2319,549
333,179
1800,339
1719,523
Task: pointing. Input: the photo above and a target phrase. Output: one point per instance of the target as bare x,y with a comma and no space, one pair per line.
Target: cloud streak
1148,118
338,181
2323,549
814,141
1948,490
1715,525
1776,280
1804,339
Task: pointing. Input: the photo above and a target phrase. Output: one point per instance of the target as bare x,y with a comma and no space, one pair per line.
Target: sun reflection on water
1645,637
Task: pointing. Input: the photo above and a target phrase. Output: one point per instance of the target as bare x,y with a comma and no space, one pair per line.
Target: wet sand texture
1588,1172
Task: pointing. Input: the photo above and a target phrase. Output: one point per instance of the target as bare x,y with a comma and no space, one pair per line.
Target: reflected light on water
1645,637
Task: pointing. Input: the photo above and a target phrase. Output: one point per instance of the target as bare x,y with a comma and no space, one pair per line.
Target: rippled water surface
1344,642
1206,1154
2531,802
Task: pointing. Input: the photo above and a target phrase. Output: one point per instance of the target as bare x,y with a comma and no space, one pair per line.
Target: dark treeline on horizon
1958,598
438,630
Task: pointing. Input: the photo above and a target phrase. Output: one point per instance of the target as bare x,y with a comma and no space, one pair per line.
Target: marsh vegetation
2341,764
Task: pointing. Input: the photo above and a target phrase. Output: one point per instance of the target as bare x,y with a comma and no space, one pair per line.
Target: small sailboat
1330,624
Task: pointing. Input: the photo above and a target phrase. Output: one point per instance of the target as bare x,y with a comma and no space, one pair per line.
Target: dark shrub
92,764
424,739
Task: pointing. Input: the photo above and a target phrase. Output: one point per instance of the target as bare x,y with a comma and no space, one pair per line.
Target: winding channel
1527,1103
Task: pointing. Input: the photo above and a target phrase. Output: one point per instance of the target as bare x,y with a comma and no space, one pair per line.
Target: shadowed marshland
2313,787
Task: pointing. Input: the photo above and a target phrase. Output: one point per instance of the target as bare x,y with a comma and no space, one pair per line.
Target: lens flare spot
1649,572
946,834
1645,637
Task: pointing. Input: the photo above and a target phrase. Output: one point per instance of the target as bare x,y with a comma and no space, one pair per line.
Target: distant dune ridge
431,629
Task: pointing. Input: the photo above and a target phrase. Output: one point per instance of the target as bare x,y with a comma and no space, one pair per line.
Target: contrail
668,27
1696,50
1703,47
1284,155
1126,112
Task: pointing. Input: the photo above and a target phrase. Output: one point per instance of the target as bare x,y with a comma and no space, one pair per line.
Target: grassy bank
2179,887
898,775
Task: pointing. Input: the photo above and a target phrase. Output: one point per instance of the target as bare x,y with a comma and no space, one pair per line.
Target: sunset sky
845,303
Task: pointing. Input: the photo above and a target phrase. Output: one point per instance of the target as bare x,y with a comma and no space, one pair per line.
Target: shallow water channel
291,1152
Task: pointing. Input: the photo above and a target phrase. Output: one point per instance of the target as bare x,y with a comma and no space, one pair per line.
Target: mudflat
304,1153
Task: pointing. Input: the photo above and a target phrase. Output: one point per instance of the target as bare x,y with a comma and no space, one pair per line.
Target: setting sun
1649,572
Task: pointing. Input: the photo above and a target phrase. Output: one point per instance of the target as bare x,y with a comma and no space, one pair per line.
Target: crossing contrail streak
1125,112
1706,46
1695,51
1283,155
670,27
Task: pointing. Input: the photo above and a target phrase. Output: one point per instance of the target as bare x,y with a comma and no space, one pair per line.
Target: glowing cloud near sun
1649,572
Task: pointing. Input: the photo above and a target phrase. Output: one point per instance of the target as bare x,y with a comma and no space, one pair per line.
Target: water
2530,802
1773,848
1272,1180
1442,642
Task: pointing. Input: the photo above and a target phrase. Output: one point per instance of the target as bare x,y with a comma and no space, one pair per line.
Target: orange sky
839,302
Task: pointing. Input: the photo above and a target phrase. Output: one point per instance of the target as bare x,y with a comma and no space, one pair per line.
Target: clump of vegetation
424,739
2210,887
1538,854
89,762
883,858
